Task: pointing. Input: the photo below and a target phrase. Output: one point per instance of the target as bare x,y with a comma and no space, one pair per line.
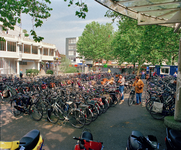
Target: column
177,115
17,64
38,66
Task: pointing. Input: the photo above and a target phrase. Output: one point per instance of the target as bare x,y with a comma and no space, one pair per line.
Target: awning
147,12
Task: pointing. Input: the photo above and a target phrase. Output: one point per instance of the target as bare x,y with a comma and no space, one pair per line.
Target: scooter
85,142
173,139
31,141
137,141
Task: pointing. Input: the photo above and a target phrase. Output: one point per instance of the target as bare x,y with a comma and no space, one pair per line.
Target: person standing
138,89
143,74
21,74
121,82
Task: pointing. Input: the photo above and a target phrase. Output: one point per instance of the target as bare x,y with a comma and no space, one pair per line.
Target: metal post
177,115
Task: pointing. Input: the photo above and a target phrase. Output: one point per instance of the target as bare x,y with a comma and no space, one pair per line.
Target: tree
95,42
11,10
139,44
66,66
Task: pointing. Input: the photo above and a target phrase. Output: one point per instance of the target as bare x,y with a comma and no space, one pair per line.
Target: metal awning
147,12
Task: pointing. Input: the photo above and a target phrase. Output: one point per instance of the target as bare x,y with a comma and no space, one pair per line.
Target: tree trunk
138,71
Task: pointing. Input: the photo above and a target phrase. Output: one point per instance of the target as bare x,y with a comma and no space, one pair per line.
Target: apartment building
71,51
20,52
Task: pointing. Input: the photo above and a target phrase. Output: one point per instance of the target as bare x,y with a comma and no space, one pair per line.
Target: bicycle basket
157,107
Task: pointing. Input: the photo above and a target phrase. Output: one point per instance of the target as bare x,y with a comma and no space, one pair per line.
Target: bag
157,107
6,94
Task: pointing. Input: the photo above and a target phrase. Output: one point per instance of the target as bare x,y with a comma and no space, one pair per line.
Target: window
72,47
51,52
11,46
165,70
45,52
72,41
34,50
22,63
27,49
41,51
2,46
71,53
20,48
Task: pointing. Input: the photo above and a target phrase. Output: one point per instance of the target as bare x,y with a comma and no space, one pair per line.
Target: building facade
71,51
19,52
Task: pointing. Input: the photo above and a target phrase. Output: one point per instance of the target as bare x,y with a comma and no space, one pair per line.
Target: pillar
177,115
17,63
38,66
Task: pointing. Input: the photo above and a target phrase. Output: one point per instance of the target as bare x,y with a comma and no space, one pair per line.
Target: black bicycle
131,97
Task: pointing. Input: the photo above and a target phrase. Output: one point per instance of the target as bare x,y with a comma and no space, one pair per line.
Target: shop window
27,49
2,46
11,46
34,50
45,52
165,70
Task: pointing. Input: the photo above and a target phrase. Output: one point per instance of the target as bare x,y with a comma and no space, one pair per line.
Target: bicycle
67,113
131,97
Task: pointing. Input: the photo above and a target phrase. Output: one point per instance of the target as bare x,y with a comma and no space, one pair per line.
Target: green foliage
139,44
32,72
95,42
66,66
11,11
83,9
26,35
71,70
49,72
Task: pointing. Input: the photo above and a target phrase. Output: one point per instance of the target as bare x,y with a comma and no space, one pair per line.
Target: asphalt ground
111,128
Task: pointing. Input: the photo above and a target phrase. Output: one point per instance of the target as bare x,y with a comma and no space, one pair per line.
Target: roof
147,12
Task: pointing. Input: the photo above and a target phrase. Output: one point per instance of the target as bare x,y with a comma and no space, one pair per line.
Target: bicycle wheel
53,116
106,106
95,112
76,118
14,108
131,99
156,115
88,116
149,104
45,106
114,101
36,111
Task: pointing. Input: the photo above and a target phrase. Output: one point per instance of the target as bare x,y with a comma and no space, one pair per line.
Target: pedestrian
21,74
121,82
138,89
143,74
175,74
109,70
152,73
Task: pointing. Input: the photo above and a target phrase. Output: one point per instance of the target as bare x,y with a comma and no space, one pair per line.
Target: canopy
147,12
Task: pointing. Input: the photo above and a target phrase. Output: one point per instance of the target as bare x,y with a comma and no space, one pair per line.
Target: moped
31,141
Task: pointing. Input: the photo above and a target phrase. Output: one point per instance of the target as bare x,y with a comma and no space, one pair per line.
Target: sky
64,24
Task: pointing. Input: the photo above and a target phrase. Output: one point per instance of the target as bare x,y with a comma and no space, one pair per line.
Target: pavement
112,128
